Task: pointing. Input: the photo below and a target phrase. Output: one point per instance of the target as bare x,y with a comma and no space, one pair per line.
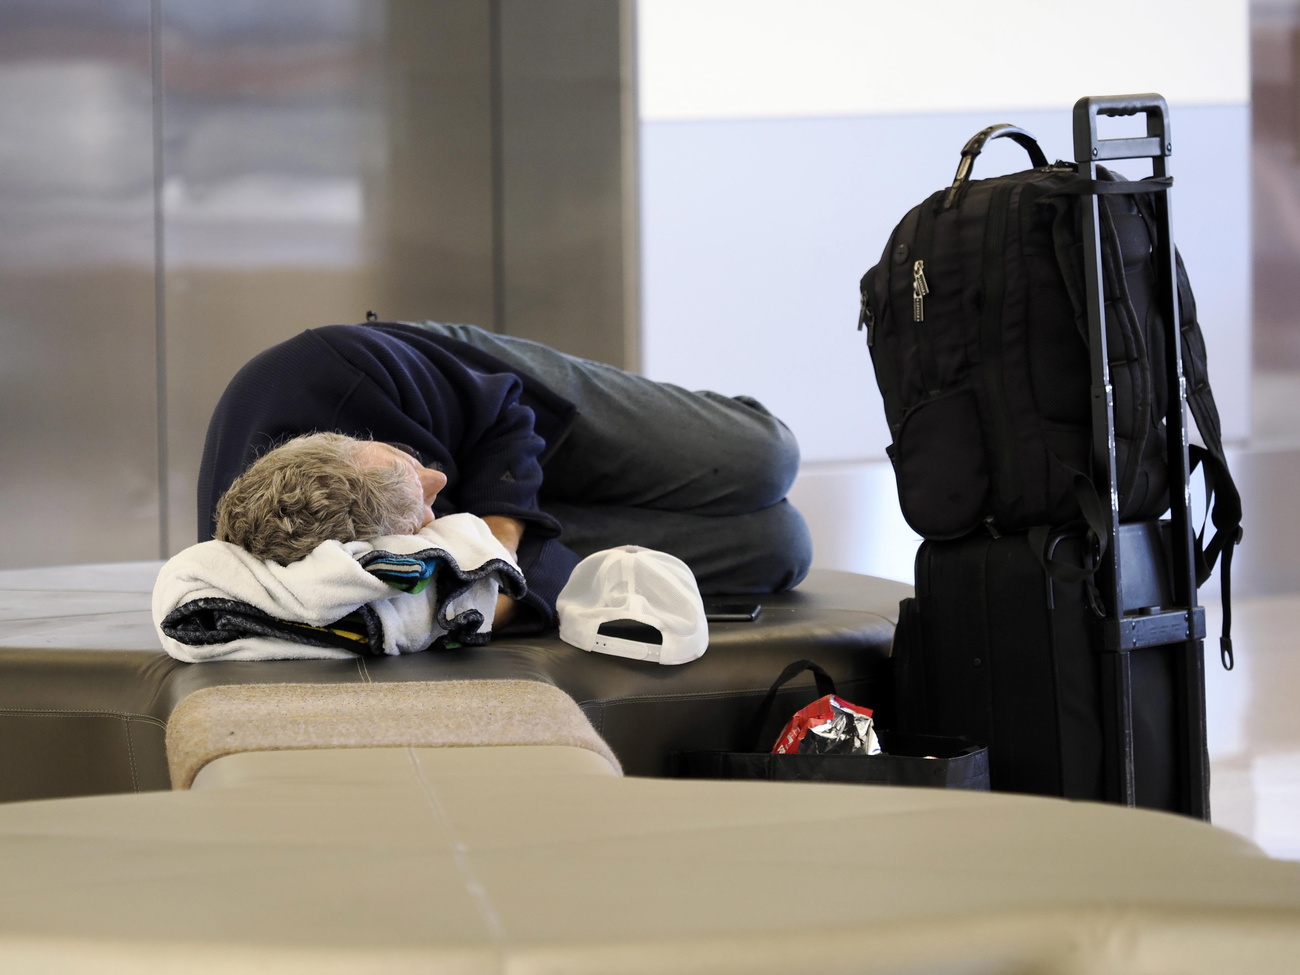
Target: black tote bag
907,759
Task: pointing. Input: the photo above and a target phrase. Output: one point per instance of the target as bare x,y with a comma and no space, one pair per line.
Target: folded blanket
392,595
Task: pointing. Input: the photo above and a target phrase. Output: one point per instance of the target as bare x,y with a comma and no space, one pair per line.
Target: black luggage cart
1180,624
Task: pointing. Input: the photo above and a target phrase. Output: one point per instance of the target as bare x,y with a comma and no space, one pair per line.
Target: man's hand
505,611
507,531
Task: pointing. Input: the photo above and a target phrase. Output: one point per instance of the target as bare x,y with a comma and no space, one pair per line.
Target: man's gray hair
312,489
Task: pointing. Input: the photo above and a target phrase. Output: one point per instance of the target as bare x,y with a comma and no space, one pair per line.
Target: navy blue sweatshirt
462,411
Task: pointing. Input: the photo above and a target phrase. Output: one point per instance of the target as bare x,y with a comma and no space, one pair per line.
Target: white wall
727,59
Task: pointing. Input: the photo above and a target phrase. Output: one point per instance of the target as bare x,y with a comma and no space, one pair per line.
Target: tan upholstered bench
87,695
538,859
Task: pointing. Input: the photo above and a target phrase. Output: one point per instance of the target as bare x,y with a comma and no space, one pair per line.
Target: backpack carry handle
1003,130
1089,148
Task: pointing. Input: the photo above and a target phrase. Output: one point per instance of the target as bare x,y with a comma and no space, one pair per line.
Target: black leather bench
86,691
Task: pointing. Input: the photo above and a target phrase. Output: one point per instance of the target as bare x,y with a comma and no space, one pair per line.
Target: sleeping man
560,457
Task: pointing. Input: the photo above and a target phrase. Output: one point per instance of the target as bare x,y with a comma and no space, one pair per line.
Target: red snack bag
829,726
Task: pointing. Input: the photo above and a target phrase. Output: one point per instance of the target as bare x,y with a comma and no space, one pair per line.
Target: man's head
325,486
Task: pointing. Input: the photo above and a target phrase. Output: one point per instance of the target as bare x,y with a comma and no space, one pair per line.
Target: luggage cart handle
1088,148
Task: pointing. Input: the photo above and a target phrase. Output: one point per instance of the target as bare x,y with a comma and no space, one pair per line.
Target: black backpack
976,321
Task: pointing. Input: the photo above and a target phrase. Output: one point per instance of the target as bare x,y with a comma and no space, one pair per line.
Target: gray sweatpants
697,474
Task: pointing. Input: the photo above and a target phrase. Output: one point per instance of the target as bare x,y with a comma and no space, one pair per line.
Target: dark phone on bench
731,612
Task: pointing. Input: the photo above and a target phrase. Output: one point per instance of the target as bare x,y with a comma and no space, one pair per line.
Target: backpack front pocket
941,466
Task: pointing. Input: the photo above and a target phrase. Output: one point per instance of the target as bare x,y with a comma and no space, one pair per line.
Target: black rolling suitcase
1055,617
992,648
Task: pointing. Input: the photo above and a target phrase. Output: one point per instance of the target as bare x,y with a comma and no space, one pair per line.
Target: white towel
328,585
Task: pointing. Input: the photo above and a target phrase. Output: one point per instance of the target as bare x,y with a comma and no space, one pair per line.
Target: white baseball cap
637,585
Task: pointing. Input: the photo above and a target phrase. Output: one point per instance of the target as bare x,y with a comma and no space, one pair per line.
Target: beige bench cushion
232,718
459,860
367,768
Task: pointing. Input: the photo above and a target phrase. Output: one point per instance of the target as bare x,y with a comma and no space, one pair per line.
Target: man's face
425,482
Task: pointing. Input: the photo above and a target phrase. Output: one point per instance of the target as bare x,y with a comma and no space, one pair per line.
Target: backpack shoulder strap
1225,512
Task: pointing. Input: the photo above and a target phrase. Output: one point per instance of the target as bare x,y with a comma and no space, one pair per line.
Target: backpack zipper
920,288
867,320
929,366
